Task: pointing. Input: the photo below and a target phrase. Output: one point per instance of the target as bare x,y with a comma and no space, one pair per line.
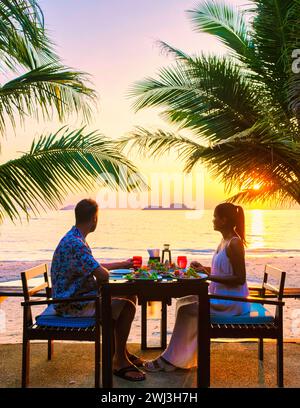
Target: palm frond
241,163
24,56
276,34
61,163
245,159
21,25
210,95
156,144
175,52
44,90
172,84
225,22
265,195
246,107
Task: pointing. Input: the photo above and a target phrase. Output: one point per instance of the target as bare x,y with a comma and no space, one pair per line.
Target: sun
257,186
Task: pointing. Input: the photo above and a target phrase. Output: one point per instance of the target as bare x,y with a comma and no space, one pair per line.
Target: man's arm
118,265
101,274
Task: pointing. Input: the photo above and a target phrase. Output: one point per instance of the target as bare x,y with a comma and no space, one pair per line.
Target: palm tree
40,86
58,164
242,109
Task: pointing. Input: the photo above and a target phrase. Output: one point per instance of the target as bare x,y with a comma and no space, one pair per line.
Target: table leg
163,325
107,333
144,305
203,369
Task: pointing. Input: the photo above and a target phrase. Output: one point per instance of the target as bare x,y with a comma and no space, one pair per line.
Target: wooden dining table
161,290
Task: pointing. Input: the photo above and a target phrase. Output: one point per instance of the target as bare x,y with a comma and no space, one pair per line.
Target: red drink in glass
137,261
182,262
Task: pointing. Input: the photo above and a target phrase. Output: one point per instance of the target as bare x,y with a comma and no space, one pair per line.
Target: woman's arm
236,254
199,267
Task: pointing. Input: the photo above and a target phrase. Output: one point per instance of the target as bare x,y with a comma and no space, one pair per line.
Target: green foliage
242,109
43,86
63,162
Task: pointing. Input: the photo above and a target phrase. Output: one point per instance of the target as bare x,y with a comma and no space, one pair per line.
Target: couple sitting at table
74,272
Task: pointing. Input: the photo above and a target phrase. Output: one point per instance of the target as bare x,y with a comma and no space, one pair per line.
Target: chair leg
261,349
113,344
50,349
25,362
97,363
280,362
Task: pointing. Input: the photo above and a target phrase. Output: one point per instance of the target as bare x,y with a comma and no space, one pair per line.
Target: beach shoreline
12,311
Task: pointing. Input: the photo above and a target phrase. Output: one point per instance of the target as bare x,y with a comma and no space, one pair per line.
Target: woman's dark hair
85,210
235,217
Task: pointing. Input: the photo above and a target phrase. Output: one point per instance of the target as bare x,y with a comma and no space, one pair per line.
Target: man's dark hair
85,210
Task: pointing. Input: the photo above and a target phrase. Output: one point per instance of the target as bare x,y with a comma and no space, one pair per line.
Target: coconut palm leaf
275,47
156,144
43,86
226,23
43,90
24,56
265,195
270,164
264,50
247,158
245,107
207,94
168,49
22,26
64,162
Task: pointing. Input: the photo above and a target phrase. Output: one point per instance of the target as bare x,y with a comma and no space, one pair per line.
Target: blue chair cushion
258,315
51,319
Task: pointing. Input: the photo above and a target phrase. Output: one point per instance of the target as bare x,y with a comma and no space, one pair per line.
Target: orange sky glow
115,43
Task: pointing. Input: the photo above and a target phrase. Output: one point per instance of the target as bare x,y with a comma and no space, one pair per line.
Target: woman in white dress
228,277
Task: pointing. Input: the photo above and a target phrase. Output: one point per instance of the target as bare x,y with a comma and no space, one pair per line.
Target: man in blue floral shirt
75,272
72,272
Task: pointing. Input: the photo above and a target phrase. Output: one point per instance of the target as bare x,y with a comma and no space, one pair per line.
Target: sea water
123,233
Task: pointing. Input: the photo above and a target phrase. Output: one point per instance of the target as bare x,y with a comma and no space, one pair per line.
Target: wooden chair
259,323
50,327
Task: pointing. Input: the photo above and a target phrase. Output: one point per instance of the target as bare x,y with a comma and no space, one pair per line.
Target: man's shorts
117,305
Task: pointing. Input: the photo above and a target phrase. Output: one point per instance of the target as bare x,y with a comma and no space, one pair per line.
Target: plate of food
143,274
119,271
164,270
189,273
117,274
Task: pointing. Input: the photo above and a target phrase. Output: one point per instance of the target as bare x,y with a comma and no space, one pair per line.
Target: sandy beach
232,365
12,309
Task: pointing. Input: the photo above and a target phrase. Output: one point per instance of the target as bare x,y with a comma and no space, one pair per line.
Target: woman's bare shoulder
235,244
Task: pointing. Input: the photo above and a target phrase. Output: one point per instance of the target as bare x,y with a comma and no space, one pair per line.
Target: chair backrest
29,291
276,287
278,280
34,273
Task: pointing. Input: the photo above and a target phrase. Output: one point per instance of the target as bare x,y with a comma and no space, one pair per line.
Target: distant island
68,207
173,206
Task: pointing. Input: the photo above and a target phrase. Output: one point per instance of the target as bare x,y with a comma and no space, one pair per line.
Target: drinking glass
182,262
137,261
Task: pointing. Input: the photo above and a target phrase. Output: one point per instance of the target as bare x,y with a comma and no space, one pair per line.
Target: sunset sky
114,41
